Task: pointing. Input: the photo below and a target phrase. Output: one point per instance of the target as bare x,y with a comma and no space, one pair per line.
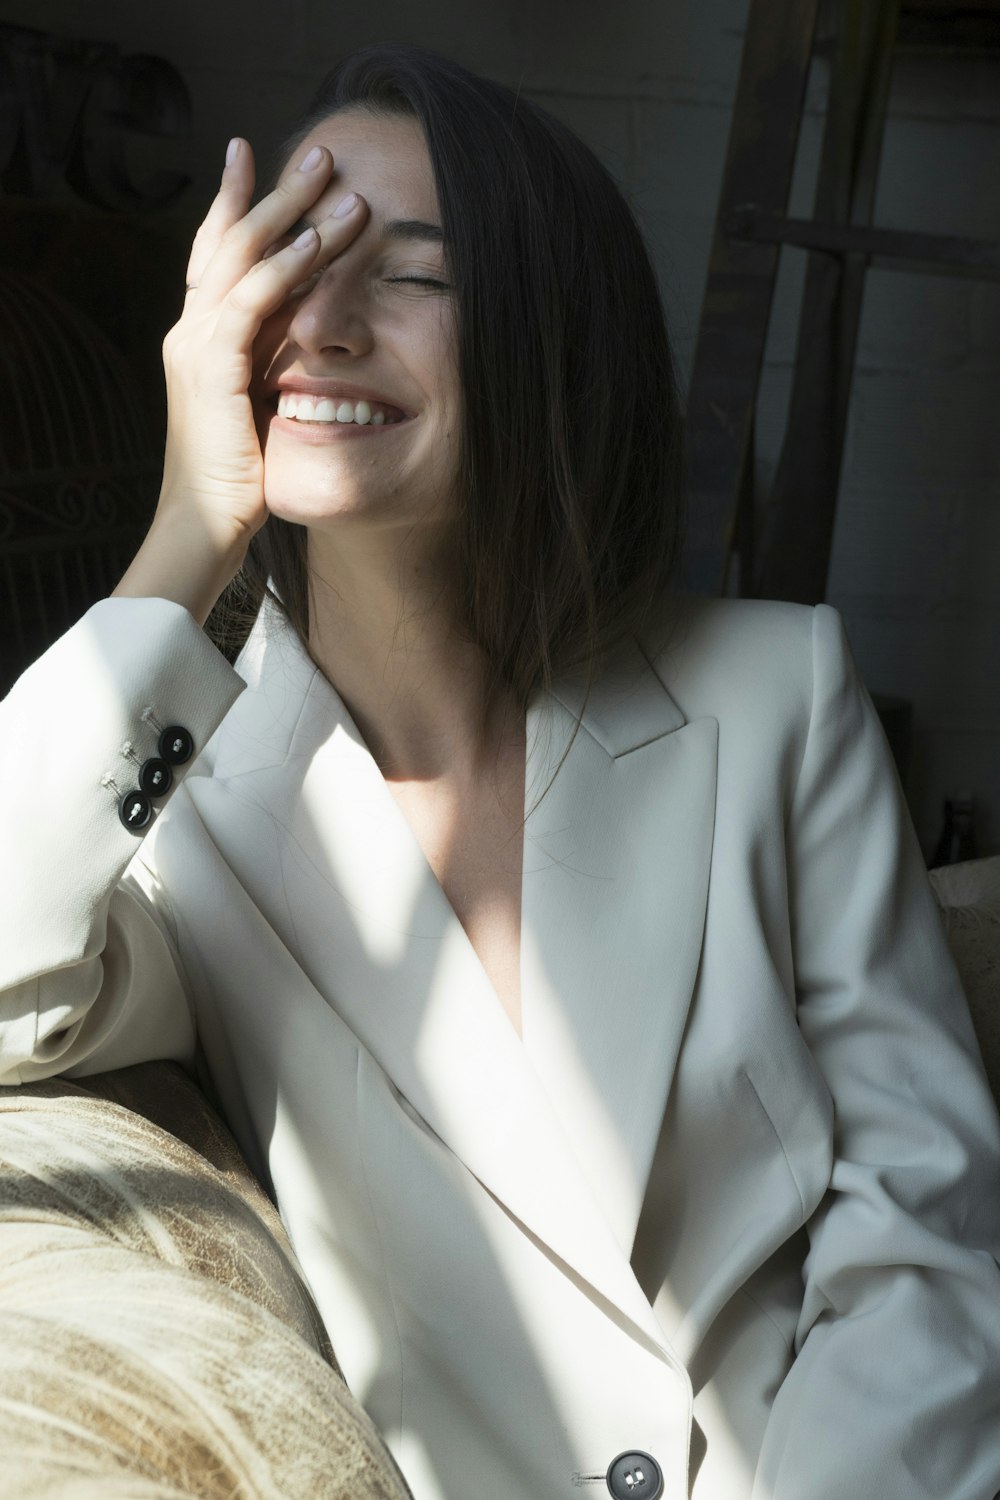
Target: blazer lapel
559,1129
616,869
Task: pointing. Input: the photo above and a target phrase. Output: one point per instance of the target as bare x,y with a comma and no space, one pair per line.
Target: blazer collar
561,1127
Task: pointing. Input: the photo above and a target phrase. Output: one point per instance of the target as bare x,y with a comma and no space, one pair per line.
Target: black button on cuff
176,745
635,1476
155,777
135,810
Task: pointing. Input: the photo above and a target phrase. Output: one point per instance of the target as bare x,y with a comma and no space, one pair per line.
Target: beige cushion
969,897
156,1338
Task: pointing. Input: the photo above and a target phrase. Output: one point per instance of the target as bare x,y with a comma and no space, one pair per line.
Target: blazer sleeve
88,975
894,1391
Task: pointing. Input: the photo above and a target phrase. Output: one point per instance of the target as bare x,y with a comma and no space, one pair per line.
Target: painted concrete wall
650,84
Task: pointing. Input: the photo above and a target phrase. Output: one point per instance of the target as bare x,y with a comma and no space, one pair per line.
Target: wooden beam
737,304
941,254
797,526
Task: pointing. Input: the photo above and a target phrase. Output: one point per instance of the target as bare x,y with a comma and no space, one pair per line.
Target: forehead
382,157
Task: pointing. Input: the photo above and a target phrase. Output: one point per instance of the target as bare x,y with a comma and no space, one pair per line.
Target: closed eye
442,286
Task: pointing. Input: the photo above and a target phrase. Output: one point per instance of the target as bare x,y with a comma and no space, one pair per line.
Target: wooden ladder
790,557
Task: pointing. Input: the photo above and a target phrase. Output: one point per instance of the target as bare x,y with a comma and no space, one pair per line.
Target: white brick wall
916,560
650,83
916,564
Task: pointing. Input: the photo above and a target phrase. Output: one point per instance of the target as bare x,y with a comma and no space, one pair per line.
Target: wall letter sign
68,109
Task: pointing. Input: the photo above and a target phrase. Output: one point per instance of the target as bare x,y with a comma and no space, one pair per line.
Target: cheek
273,333
438,335
449,386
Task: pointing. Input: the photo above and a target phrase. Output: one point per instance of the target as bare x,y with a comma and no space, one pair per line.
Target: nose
332,316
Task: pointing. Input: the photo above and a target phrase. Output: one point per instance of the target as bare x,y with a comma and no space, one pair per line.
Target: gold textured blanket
156,1338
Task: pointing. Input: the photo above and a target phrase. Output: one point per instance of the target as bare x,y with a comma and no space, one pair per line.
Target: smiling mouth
325,411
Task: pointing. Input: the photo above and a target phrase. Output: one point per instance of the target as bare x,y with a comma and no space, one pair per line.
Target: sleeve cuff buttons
176,745
155,777
135,809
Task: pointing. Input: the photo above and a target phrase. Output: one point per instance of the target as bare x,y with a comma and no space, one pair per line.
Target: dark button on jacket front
636,1475
176,745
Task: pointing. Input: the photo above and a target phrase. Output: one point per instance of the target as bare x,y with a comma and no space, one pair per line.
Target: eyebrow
392,229
412,229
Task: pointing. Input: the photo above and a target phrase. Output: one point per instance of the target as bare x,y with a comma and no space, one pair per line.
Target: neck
384,629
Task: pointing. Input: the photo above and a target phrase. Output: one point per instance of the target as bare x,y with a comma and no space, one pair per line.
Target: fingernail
305,238
313,159
232,151
345,205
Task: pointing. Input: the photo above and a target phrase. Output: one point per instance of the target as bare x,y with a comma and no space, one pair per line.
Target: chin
301,494
317,511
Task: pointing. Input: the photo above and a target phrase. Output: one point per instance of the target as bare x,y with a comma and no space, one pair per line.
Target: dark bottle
958,838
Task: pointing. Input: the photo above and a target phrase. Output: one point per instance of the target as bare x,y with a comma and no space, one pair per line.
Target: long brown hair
571,463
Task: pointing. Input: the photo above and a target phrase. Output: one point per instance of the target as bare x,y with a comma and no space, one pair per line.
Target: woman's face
378,324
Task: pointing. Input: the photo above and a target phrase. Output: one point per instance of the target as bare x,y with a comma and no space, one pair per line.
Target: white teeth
308,409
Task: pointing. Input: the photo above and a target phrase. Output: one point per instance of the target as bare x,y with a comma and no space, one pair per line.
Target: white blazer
732,1202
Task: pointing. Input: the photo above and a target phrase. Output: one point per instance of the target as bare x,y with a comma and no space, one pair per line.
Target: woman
638,1143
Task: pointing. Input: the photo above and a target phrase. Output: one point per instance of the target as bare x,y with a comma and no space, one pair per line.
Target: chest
472,839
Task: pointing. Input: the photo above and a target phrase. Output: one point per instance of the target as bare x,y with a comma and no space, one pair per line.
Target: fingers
271,281
244,243
248,263
229,206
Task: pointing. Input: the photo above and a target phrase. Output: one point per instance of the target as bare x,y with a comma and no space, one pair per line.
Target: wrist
185,560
